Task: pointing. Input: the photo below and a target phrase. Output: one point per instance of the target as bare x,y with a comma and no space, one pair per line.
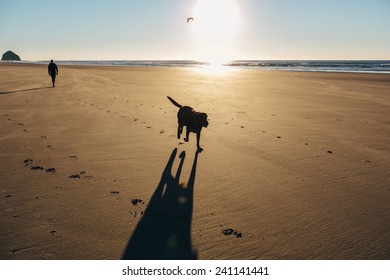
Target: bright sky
221,30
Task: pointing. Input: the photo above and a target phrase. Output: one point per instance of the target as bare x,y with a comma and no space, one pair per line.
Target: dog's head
201,119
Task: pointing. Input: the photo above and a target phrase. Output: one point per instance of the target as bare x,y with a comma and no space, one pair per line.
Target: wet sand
295,165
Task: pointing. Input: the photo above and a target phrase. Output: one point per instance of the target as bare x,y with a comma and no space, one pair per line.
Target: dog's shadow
164,231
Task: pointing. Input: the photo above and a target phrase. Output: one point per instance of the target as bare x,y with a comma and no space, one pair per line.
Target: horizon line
195,60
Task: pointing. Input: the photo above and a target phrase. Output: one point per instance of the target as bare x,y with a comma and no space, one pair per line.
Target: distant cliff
10,56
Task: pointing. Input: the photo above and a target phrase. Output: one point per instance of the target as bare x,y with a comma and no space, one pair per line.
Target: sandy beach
295,165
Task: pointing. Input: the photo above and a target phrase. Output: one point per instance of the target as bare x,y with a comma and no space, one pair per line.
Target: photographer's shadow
164,231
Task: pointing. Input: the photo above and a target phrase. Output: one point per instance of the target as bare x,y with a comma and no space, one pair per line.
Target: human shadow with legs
164,231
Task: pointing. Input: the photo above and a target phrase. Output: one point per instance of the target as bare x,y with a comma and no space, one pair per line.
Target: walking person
53,71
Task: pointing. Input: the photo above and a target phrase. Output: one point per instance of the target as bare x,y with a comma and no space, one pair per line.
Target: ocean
361,66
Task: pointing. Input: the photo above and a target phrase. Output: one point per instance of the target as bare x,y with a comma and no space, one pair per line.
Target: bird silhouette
189,18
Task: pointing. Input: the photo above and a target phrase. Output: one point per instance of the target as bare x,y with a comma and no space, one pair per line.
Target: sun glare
215,27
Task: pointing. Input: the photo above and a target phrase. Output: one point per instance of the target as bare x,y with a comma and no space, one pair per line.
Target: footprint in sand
78,176
36,167
27,162
162,131
136,201
54,234
230,231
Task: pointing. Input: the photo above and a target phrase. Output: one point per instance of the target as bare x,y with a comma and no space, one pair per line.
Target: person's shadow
164,231
22,90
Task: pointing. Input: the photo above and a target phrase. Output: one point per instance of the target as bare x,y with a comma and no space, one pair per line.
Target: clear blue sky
221,29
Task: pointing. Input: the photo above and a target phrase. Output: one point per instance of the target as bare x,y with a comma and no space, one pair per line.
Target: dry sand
295,165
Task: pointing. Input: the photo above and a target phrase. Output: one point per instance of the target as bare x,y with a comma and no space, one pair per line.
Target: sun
215,26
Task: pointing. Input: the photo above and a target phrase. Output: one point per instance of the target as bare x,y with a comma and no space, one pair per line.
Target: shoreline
193,64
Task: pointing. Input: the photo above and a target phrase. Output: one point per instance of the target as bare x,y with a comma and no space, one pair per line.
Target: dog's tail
174,102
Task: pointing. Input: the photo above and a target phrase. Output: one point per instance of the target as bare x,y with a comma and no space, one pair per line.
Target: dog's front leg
187,135
179,131
198,140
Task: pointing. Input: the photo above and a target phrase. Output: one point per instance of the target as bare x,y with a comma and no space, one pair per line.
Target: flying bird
189,18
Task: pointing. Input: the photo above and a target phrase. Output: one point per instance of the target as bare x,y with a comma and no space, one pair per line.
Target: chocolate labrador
194,121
